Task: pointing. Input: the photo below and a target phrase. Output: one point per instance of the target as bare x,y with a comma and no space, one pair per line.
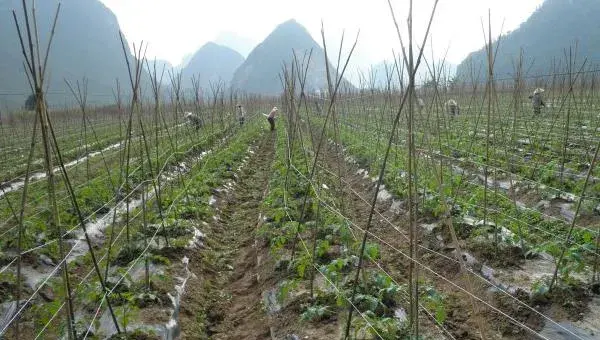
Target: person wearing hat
452,108
271,118
241,114
536,101
193,119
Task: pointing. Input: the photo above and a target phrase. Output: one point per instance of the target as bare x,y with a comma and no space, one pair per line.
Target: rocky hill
212,63
260,72
86,44
555,26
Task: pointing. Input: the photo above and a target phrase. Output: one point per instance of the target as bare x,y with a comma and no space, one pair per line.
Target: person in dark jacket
194,120
241,113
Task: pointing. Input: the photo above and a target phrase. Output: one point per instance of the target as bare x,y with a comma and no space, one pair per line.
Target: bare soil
235,269
223,300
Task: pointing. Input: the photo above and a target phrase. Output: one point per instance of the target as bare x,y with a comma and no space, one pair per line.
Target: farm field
375,212
124,222
232,231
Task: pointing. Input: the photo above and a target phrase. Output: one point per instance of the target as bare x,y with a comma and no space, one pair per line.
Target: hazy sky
175,28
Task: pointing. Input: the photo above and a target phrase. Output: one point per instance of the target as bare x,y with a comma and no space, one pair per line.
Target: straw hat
538,91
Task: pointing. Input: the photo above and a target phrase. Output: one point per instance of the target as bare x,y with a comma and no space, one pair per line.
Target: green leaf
322,248
372,251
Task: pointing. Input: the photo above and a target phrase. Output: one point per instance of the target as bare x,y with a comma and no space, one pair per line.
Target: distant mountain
555,26
185,60
160,64
234,41
212,63
86,43
260,72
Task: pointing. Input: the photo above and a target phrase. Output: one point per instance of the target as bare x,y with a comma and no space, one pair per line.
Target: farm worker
420,104
194,120
452,107
271,117
241,114
536,100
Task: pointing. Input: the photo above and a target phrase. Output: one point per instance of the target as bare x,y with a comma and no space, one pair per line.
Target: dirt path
224,301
